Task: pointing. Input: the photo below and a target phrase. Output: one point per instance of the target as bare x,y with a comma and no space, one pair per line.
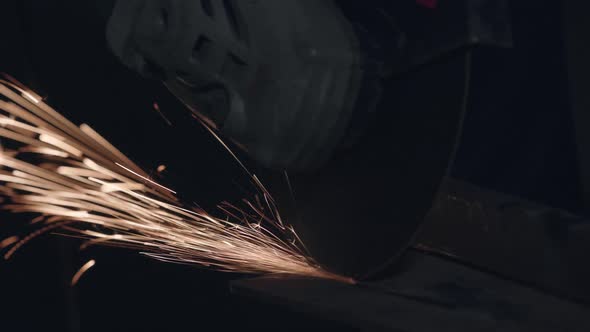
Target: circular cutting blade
361,210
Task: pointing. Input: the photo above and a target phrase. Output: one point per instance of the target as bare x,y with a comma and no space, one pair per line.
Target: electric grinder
338,102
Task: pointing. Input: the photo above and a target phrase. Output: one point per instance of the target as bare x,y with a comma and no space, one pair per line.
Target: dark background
518,138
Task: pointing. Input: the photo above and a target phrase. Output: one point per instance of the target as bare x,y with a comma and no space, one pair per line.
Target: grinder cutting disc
362,209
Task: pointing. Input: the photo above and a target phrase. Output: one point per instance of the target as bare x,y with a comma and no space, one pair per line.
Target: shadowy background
518,139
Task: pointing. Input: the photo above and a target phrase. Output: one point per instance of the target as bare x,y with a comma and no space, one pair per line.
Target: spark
82,270
81,186
146,179
51,140
38,219
8,242
211,129
30,97
157,109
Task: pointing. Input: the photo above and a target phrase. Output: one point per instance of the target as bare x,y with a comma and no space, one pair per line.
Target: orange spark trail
84,187
82,270
8,242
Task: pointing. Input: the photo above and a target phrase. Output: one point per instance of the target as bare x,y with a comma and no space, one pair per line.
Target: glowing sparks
31,97
157,109
8,242
82,270
59,144
83,187
146,179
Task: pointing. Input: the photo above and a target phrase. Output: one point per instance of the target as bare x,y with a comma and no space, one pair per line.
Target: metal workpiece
427,294
483,261
513,237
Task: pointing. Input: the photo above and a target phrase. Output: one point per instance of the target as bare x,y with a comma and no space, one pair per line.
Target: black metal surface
510,236
427,294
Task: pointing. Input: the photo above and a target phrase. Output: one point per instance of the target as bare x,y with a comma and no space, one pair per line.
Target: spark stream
82,186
